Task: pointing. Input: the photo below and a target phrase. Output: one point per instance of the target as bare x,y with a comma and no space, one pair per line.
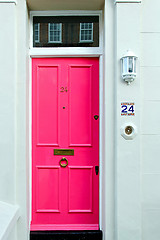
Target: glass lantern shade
129,70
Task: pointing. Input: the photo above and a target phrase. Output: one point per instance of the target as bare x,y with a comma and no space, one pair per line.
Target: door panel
80,105
65,98
47,176
47,103
80,194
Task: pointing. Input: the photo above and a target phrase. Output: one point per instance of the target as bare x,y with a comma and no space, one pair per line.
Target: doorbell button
128,131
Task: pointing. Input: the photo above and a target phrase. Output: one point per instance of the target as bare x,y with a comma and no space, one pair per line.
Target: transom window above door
66,31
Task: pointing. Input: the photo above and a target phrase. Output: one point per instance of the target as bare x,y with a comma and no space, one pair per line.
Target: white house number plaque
127,109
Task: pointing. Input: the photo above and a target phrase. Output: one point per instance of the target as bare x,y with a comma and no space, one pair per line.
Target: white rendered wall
108,147
121,218
150,123
7,102
13,138
127,160
7,106
22,120
137,162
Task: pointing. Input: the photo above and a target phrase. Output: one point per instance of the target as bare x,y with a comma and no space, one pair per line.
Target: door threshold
66,235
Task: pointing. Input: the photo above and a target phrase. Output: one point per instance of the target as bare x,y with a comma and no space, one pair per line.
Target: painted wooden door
65,100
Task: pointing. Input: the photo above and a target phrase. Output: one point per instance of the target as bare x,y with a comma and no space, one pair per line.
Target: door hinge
97,169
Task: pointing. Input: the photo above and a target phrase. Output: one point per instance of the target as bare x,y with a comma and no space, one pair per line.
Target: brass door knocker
64,164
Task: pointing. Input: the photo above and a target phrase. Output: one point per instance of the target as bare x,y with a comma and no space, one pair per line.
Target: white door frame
70,52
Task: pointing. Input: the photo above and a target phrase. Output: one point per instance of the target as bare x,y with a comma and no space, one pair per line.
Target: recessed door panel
65,188
80,196
47,105
47,178
80,100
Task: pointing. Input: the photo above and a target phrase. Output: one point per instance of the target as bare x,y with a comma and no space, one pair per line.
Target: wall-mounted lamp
129,69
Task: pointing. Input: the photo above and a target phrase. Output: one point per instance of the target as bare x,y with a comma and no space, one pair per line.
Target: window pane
51,26
90,25
83,25
36,27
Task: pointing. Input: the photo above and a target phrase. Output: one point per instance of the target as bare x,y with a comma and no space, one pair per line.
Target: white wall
150,118
108,143
148,102
125,27
22,120
123,209
22,130
127,159
7,102
13,90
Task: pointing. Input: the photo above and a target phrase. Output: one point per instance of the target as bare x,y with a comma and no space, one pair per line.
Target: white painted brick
150,83
151,191
150,152
150,17
151,225
150,49
150,122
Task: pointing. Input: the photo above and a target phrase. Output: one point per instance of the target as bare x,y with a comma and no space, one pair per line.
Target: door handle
63,164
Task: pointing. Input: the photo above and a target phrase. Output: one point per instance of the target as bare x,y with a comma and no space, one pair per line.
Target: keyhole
96,117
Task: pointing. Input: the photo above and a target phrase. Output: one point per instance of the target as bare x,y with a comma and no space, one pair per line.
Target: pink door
65,144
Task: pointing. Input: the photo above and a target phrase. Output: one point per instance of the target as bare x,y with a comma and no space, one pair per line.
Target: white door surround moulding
101,127
127,1
8,1
71,52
